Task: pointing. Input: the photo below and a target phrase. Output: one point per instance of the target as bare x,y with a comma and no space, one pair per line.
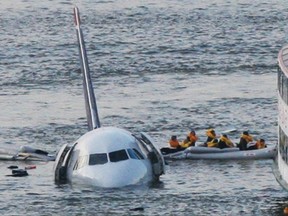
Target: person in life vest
193,137
213,143
174,143
225,142
174,146
186,143
211,136
260,144
245,139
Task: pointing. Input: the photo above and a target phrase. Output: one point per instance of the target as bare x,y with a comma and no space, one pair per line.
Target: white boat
280,167
205,153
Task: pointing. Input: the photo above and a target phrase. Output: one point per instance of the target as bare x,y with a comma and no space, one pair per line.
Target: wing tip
76,16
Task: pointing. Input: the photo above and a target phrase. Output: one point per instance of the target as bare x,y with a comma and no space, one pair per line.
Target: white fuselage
109,157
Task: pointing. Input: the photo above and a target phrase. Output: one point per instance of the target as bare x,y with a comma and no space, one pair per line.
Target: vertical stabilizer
90,100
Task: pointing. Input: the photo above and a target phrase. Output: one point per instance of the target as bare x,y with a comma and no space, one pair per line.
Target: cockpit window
118,156
96,159
135,154
132,154
139,154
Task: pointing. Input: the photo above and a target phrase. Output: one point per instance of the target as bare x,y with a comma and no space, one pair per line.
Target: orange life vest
193,137
174,143
260,144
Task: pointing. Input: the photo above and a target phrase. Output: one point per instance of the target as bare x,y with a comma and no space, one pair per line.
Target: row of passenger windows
283,85
102,158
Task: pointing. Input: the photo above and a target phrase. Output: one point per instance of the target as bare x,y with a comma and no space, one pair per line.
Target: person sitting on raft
193,137
213,143
186,143
244,140
211,135
174,146
260,144
174,143
225,142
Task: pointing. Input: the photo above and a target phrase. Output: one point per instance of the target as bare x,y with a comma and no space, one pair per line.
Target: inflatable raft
25,153
27,157
204,153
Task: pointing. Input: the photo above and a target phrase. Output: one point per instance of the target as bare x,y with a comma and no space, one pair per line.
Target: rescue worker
211,135
174,143
225,142
193,137
244,140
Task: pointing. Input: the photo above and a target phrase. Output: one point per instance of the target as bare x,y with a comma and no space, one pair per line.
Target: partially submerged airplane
105,156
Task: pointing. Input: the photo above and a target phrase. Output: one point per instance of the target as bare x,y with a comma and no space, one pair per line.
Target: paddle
229,131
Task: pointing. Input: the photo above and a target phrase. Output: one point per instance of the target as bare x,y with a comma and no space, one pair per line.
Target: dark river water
161,67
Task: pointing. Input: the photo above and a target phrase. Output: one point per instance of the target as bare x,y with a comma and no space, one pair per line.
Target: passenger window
118,156
97,159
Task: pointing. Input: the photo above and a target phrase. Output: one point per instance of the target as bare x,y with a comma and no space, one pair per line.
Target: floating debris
12,167
18,173
30,167
137,209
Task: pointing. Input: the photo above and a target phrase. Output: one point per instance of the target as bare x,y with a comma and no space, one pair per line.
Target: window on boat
98,159
118,156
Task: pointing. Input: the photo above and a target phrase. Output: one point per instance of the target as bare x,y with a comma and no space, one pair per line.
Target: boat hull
277,173
225,154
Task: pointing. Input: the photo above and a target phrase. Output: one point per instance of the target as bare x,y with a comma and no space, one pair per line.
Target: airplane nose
123,175
118,174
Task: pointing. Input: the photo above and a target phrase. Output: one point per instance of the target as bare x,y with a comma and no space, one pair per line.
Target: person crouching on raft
244,140
225,142
193,137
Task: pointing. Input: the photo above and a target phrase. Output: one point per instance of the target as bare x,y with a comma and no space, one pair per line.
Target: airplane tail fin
90,99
